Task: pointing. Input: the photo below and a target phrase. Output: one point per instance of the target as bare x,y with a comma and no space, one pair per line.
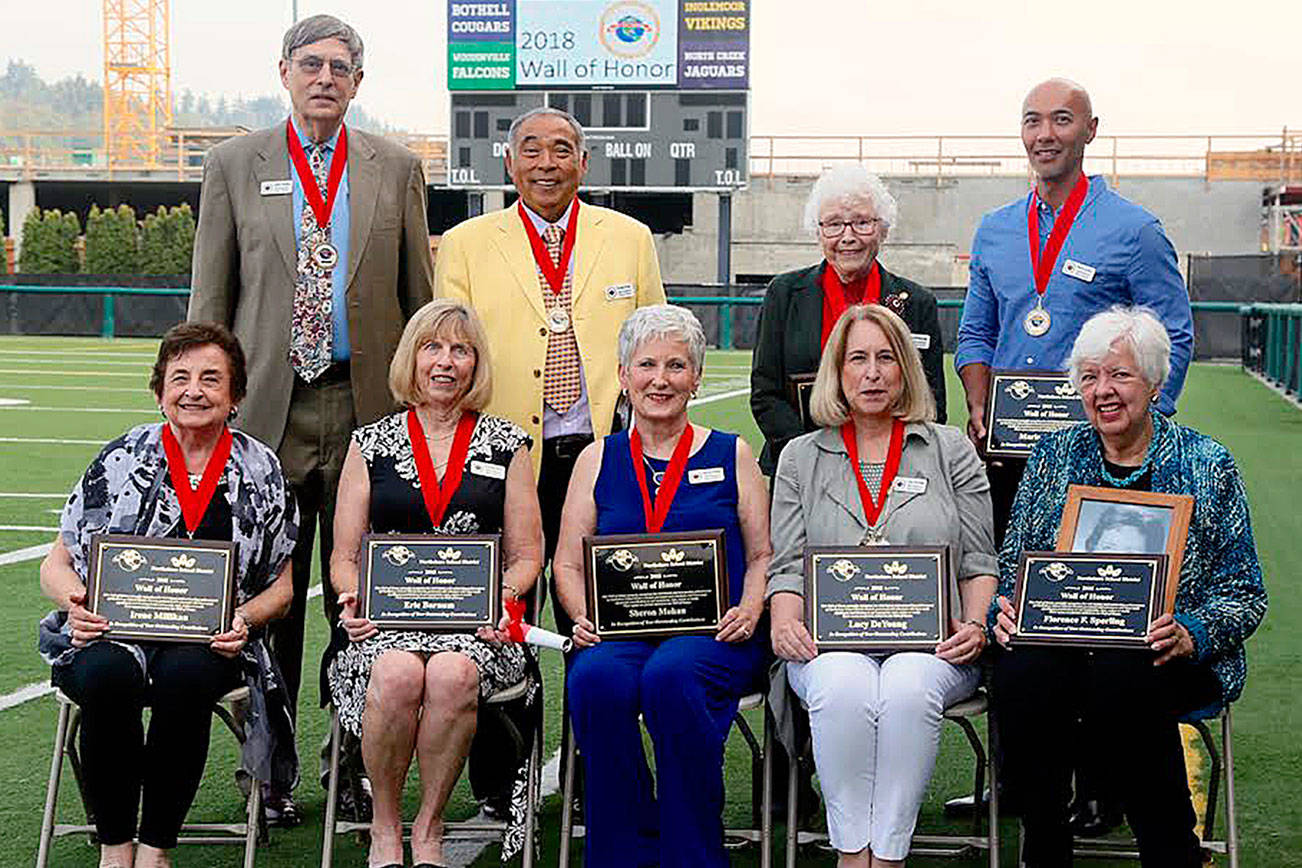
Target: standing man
1042,265
1094,249
313,247
552,279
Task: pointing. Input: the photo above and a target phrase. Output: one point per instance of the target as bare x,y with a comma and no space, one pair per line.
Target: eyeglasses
312,64
834,228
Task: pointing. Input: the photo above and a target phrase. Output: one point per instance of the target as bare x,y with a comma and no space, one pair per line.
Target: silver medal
325,256
873,537
1037,321
558,320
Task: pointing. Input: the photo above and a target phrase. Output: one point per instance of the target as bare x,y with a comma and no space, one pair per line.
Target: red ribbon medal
1042,264
515,611
311,191
872,509
194,503
655,516
834,295
554,272
436,495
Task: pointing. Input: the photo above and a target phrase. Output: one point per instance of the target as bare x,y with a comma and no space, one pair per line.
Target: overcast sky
818,66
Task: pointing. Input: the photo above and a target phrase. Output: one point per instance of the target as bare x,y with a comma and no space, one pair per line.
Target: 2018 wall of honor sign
519,44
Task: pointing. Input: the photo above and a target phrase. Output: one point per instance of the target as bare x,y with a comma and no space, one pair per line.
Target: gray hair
514,133
318,27
668,321
850,179
1135,327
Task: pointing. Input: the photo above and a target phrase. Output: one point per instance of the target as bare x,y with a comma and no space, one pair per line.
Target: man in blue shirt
1113,252
313,247
1095,249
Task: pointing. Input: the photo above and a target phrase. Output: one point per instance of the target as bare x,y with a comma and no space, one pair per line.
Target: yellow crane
137,81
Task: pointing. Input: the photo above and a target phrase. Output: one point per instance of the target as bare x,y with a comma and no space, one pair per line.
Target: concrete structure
931,241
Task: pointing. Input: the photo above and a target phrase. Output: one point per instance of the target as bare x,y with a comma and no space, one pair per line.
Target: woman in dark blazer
852,213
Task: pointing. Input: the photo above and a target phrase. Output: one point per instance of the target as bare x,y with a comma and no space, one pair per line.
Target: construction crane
137,81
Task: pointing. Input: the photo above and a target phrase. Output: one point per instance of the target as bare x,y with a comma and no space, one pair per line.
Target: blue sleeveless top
698,505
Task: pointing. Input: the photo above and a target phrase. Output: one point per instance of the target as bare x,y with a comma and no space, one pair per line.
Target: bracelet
985,631
515,592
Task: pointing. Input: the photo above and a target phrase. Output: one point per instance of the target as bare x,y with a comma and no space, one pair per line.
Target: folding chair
960,714
761,828
231,709
452,831
1222,762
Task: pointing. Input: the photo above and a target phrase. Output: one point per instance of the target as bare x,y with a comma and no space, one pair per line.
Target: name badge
484,468
922,342
276,188
909,484
705,474
618,291
1078,270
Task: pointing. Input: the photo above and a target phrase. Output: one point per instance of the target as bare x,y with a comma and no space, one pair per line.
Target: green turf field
79,393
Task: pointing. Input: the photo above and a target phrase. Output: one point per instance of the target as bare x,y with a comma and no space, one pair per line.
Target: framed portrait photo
1115,520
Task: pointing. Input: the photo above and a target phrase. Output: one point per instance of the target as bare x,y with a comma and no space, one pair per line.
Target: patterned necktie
561,373
312,331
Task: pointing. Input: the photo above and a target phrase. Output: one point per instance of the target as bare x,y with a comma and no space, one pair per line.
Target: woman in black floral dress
438,467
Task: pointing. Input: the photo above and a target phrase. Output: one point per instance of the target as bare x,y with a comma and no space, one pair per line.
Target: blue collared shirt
578,420
339,225
1134,264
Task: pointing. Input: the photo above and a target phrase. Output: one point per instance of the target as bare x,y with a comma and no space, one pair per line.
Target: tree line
115,242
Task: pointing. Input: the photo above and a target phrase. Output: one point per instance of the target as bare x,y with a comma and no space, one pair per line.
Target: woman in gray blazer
878,471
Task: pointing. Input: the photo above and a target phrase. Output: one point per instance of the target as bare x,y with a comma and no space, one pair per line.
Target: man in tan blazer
318,302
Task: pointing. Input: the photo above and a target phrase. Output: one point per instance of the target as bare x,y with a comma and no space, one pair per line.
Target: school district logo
1019,389
1111,571
1065,390
398,555
129,560
1056,571
843,570
895,568
622,560
629,30
450,554
183,562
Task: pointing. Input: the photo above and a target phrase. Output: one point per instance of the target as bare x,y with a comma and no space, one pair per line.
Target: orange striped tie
561,373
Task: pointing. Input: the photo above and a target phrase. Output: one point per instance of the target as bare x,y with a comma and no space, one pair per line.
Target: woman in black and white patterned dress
408,692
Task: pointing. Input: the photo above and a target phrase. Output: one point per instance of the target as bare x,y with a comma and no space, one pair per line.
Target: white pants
876,726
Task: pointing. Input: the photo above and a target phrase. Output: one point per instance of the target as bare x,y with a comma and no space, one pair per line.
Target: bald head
1060,91
1057,123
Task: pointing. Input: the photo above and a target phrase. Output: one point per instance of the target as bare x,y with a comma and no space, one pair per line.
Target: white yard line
30,553
27,528
80,354
96,388
51,440
52,494
40,372
722,396
138,411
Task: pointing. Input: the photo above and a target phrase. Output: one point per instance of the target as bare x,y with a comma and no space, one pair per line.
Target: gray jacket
816,503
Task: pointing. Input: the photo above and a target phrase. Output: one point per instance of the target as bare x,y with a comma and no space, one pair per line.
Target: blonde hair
827,404
441,318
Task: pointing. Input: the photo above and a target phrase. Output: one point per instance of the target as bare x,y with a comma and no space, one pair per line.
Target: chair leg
992,830
1231,823
531,799
569,756
52,788
332,793
793,812
766,796
254,823
1213,779
979,774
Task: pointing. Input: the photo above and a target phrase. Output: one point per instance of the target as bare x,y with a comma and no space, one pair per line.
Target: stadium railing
1272,344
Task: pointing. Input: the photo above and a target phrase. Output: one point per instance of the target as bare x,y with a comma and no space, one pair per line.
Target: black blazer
790,339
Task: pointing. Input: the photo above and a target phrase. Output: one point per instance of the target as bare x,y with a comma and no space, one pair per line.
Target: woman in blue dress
664,474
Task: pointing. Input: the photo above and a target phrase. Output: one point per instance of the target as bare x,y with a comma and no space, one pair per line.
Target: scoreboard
660,87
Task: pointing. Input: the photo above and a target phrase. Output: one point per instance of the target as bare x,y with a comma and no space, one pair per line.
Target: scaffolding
137,82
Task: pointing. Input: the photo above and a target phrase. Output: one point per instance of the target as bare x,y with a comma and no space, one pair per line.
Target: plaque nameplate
158,589
877,598
431,582
654,585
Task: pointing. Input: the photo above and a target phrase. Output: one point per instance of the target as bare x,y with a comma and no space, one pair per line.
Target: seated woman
686,688
145,483
852,212
878,471
439,467
1118,364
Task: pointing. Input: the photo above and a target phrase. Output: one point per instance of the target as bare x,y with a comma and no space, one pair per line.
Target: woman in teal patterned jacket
1127,700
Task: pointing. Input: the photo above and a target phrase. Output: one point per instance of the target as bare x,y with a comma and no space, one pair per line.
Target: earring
1154,399
230,417
160,411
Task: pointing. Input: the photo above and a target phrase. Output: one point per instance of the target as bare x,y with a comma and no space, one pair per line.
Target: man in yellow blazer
553,349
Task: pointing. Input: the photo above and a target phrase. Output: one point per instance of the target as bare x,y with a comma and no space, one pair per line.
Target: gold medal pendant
325,257
1037,321
873,537
558,320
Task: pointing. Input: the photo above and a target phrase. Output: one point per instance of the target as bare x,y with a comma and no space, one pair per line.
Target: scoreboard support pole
725,269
